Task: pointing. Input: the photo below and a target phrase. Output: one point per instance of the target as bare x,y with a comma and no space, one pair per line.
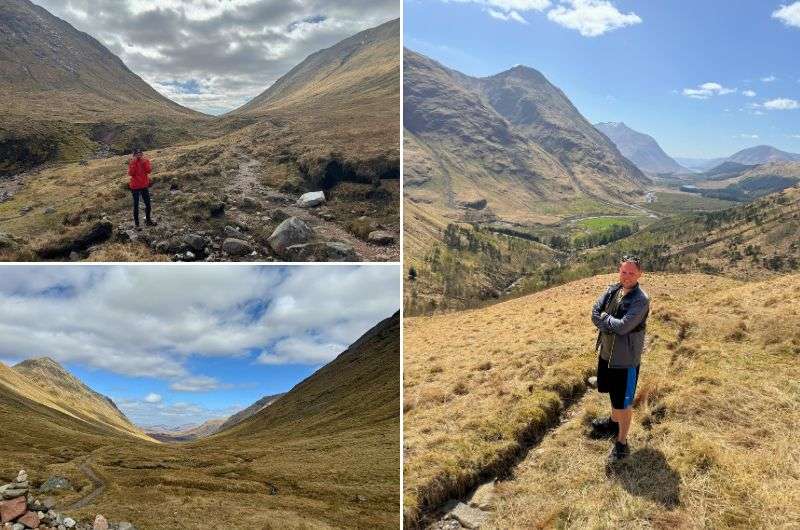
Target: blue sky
181,344
705,78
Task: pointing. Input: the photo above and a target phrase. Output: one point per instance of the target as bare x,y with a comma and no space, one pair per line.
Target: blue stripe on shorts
630,388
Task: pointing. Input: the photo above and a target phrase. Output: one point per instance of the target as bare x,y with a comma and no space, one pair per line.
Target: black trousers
145,193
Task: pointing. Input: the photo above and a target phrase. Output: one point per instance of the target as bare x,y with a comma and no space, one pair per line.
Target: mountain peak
42,363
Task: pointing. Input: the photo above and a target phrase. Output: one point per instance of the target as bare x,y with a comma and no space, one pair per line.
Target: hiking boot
151,223
621,451
604,428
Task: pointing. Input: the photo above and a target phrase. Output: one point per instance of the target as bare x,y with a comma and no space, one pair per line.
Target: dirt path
247,181
99,487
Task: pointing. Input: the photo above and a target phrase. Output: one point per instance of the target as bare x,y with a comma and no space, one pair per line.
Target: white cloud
301,350
782,104
769,79
749,93
232,49
591,18
149,321
511,15
153,398
707,90
788,14
748,136
147,414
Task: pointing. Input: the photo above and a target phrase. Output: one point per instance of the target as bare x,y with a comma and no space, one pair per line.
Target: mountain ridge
641,149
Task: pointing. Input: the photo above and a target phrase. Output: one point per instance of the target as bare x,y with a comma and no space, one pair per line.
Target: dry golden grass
714,426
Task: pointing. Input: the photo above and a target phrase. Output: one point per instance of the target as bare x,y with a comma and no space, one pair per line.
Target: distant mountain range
639,148
760,154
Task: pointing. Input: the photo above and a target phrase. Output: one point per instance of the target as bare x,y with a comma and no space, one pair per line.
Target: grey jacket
628,325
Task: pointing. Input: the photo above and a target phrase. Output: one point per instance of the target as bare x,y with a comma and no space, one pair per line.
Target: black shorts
619,383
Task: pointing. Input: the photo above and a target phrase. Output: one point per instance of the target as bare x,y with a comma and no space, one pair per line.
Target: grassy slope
335,437
476,382
54,386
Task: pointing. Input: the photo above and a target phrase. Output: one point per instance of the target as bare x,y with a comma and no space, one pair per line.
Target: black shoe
620,452
604,428
150,223
137,227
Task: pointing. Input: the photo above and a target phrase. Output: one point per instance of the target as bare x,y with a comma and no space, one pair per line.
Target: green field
602,223
673,203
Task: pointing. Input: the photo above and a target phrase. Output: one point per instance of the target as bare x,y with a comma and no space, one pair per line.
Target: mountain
65,94
336,110
359,389
762,154
510,147
726,170
249,411
184,433
50,384
492,392
640,149
699,165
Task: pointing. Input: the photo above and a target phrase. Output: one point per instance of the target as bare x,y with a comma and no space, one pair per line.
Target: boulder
236,247
380,237
100,523
17,526
69,522
13,508
125,525
55,484
172,245
195,242
484,497
14,492
468,516
292,231
311,199
326,251
249,204
49,503
216,209
78,241
31,520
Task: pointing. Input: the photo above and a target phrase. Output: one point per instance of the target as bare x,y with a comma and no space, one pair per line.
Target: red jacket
139,171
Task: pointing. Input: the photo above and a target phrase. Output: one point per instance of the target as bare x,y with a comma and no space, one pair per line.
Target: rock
279,215
31,520
13,508
69,522
49,503
6,241
216,209
484,497
25,209
17,526
231,231
22,476
125,525
172,245
328,216
468,517
311,199
55,483
380,237
327,251
592,381
195,242
292,231
62,527
249,204
81,240
100,523
49,210
361,498
13,493
236,247
74,256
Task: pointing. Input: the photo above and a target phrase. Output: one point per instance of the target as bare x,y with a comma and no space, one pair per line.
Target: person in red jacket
139,171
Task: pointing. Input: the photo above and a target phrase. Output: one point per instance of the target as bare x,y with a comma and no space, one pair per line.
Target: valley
323,455
221,185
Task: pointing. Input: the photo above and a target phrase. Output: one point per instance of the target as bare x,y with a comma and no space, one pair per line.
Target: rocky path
246,182
98,483
476,509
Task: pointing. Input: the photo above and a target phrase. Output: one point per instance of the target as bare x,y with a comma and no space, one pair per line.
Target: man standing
139,171
620,315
